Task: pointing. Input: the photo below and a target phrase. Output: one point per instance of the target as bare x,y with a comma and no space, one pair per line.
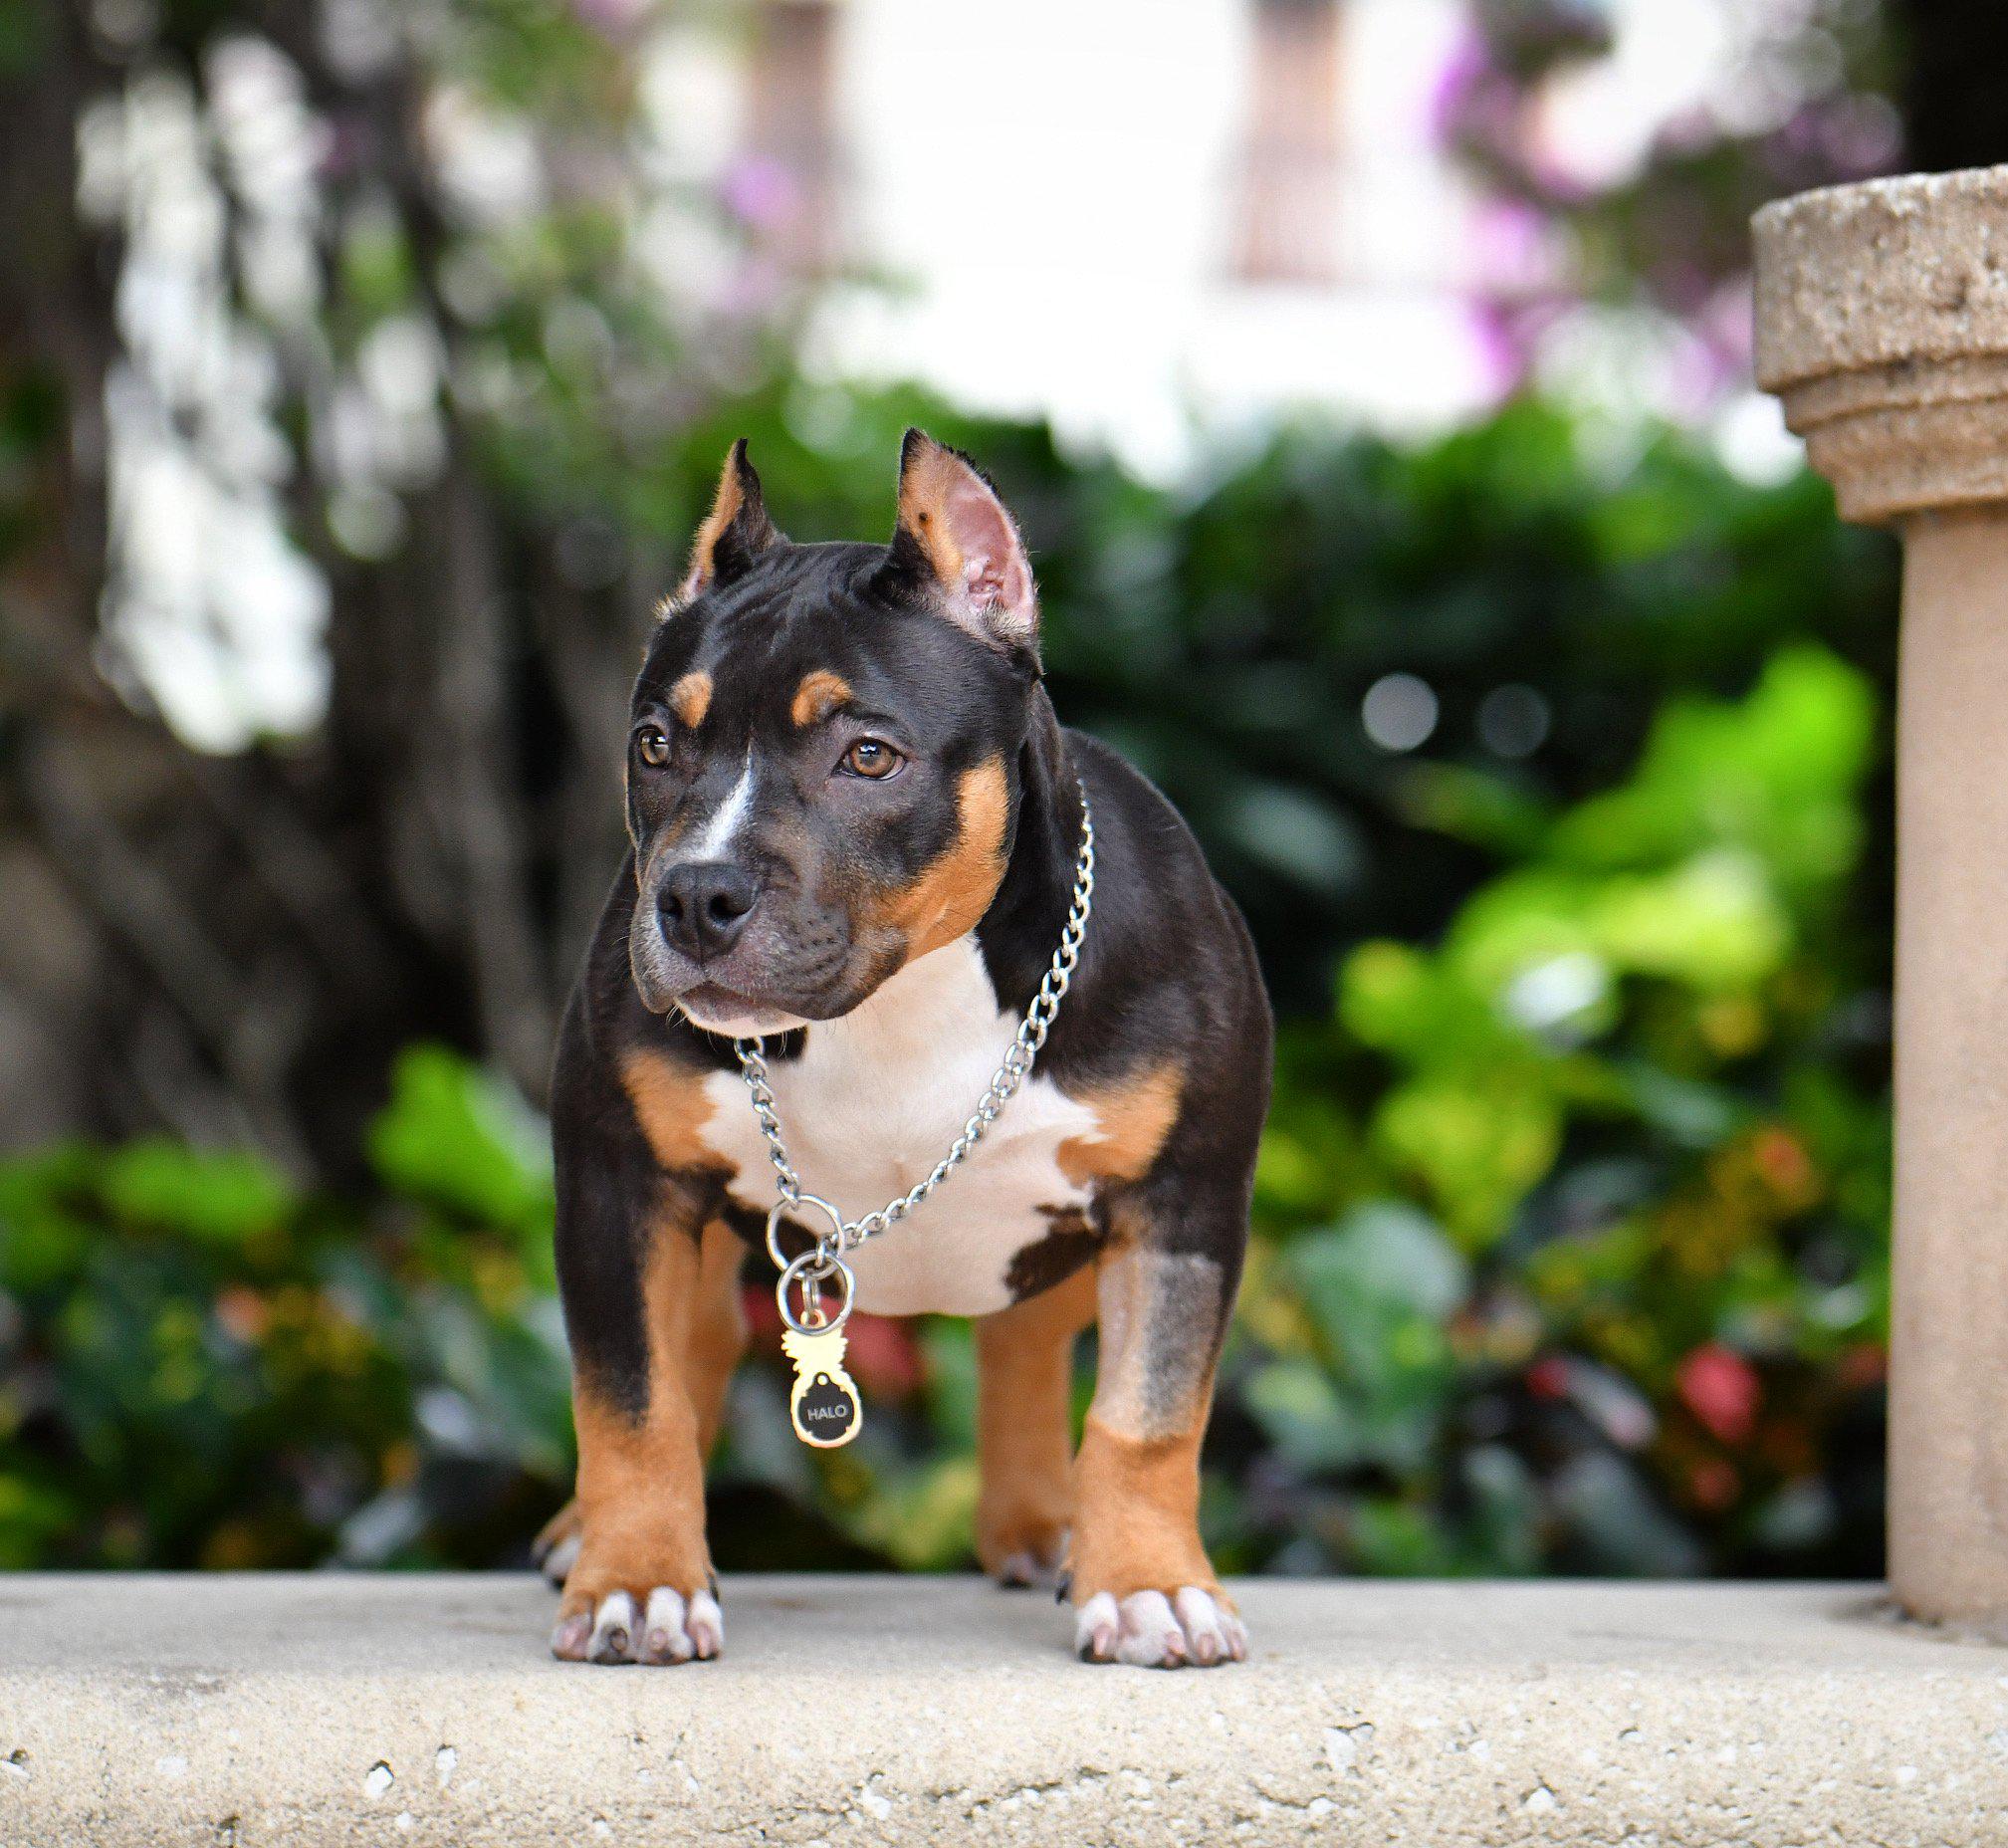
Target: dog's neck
1023,921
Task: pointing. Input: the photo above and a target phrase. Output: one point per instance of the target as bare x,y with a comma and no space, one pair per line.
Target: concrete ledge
317,1710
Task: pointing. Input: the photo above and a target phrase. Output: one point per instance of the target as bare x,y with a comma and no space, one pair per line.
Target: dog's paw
657,1628
1029,1566
555,1551
1029,1556
1150,1630
1021,1533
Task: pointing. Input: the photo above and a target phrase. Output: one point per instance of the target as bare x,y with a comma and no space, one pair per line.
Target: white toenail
1205,1623
1151,1636
666,1638
705,1624
1096,1627
613,1633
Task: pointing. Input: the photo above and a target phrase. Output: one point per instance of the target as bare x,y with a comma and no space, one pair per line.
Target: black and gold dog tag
824,1404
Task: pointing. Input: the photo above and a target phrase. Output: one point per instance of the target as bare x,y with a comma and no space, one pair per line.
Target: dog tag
824,1403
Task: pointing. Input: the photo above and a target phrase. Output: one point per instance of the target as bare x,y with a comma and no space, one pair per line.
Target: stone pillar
1883,323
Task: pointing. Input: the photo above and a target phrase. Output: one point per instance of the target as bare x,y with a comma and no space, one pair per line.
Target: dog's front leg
645,1308
1143,1589
1025,1357
717,1340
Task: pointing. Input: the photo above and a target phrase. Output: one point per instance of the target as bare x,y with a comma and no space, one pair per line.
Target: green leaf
213,1198
1403,1001
1301,1414
1475,1141
1379,1287
461,1138
1775,775
1711,922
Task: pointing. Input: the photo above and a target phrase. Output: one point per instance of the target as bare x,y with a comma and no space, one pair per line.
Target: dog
855,823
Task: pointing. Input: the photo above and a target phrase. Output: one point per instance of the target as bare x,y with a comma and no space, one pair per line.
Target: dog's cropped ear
958,544
734,534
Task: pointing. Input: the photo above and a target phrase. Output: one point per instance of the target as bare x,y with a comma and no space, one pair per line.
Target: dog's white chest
875,1100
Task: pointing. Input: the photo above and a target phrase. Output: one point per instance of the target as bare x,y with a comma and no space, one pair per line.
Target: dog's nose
705,905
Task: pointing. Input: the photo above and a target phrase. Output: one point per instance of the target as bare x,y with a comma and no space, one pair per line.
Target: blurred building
1159,226
1129,216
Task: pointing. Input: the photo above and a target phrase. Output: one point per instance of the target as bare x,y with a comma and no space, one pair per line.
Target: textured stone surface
326,1710
1882,320
1949,1386
1913,268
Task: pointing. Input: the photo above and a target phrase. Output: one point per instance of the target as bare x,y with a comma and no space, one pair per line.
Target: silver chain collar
825,1259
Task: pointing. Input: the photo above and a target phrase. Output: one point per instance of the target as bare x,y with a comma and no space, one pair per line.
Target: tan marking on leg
641,1480
1024,1422
819,695
1158,1312
1137,1513
1133,1119
717,1329
956,889
690,698
1137,1477
671,1107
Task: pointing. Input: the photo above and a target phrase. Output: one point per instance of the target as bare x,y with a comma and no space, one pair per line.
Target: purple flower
760,191
1505,355
1511,246
1464,71
613,19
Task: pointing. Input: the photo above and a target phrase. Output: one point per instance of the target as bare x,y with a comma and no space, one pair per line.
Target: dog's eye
872,758
651,745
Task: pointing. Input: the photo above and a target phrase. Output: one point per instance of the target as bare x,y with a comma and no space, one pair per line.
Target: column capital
1881,321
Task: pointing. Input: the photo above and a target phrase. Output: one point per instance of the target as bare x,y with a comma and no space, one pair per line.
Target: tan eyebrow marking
819,695
690,699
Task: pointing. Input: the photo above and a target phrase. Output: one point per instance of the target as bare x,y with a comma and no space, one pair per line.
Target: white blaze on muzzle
726,819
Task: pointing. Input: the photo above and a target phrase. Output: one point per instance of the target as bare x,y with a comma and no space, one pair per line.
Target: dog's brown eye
651,745
872,758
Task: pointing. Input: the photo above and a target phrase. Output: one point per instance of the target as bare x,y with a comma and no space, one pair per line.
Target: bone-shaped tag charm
824,1403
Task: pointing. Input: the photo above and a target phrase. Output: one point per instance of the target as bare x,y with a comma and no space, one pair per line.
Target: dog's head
823,768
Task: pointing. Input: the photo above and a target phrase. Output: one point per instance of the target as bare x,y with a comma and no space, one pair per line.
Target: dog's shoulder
1169,998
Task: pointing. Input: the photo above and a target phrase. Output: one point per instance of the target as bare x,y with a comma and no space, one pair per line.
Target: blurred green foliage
205,1367
1595,1273
1572,1217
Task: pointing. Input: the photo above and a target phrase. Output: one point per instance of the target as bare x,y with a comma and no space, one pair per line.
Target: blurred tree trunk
234,948
56,340
1953,109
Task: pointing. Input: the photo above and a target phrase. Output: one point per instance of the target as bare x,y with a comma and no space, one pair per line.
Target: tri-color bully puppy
856,821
